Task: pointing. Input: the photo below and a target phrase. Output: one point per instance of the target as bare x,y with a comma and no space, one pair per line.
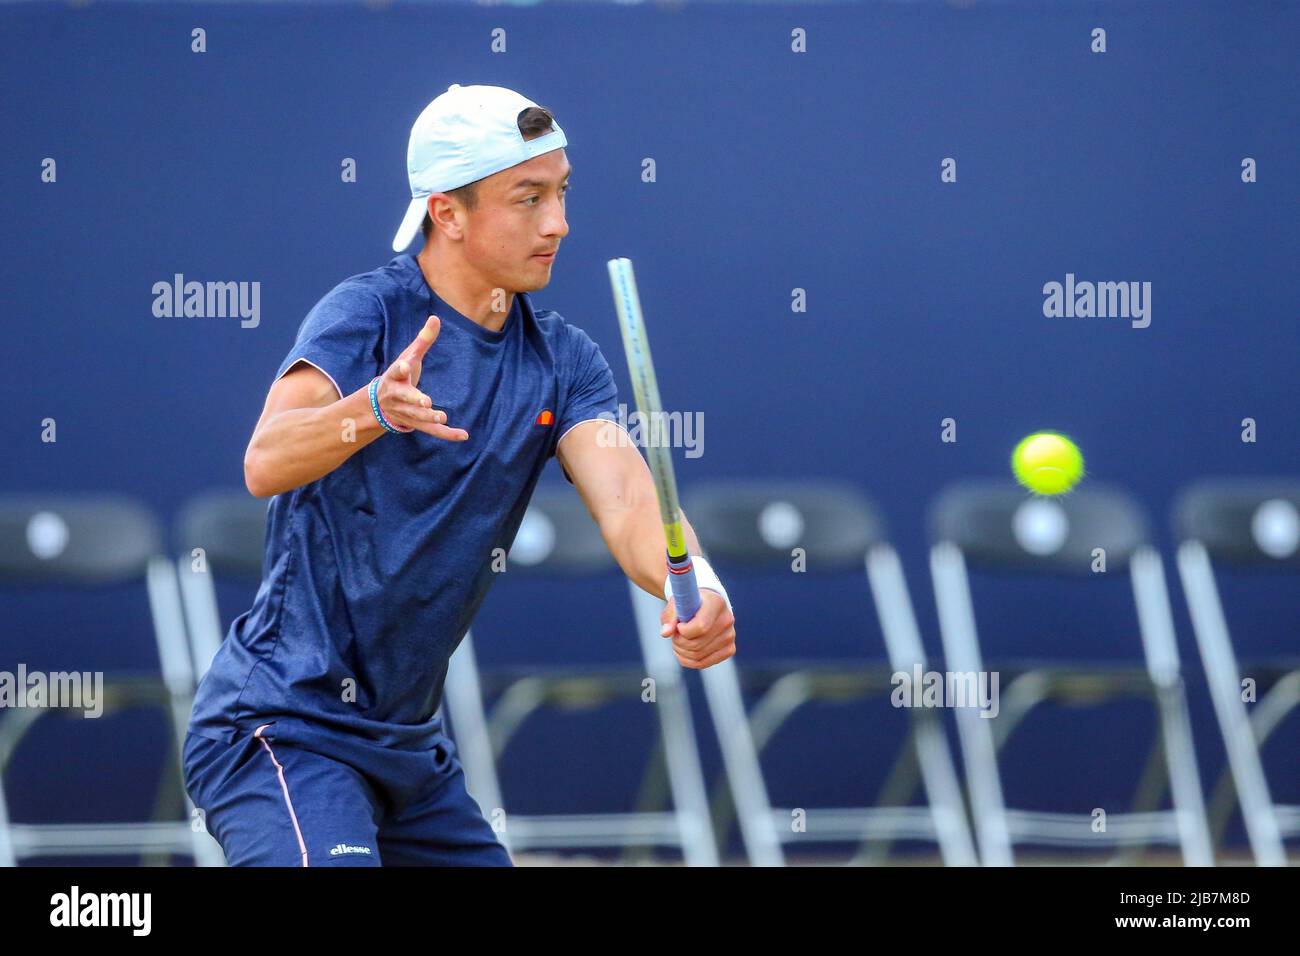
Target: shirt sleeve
590,392
342,336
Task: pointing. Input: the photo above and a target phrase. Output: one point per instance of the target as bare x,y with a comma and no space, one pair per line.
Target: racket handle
686,593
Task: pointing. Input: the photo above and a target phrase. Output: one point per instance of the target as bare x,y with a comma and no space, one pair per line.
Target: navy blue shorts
277,797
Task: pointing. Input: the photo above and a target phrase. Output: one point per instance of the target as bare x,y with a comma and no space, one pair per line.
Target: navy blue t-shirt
374,572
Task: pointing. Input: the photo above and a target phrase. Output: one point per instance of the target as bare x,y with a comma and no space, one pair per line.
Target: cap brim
410,223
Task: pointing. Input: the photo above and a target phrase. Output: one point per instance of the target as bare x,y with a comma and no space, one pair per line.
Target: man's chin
532,285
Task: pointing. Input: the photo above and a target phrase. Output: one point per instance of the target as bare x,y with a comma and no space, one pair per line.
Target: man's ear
442,208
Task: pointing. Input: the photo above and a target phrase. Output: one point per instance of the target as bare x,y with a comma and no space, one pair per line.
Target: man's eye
529,201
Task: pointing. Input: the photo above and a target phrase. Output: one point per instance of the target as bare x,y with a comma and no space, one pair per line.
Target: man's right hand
405,406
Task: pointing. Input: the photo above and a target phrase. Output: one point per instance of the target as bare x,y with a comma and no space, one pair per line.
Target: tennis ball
1047,463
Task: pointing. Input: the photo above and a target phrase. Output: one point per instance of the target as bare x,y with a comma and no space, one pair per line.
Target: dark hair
533,122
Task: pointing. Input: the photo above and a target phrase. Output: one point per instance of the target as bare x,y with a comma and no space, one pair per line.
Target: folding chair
754,525
80,543
218,533
995,525
558,537
222,532
1251,525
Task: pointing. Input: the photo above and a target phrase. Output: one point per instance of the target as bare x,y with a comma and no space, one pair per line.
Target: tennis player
400,443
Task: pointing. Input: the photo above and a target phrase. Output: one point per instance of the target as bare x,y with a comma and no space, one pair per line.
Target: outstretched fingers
404,404
411,360
430,426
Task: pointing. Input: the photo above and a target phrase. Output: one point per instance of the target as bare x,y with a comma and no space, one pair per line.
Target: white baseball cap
465,134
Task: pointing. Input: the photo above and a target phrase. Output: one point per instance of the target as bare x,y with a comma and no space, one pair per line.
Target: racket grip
686,593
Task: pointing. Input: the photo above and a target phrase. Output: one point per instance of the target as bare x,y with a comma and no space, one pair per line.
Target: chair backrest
230,527
75,539
557,535
759,522
998,525
1247,522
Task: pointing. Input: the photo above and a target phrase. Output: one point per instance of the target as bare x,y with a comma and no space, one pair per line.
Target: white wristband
705,577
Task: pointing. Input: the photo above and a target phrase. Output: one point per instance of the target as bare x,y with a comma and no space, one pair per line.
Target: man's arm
302,435
616,485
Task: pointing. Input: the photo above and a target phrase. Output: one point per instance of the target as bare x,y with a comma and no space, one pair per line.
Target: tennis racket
686,593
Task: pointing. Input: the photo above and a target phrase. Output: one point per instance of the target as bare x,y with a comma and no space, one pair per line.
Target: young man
401,442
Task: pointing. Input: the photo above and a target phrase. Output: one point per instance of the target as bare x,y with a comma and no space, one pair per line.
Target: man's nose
556,223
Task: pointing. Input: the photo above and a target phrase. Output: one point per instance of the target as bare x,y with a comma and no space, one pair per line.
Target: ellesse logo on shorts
343,848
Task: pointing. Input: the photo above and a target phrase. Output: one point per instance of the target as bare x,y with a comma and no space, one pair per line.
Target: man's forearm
643,553
300,445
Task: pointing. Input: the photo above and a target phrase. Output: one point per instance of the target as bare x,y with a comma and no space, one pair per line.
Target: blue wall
775,170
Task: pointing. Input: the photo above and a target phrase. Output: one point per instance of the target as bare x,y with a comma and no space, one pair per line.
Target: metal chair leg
1156,623
961,651
1211,630
672,706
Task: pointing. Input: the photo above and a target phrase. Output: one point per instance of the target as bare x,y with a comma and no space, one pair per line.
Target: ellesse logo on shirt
544,417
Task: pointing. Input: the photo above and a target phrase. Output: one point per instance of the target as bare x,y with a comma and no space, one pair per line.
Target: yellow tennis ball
1047,463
